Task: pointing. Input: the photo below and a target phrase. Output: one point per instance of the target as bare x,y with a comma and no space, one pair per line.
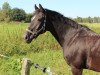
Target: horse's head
37,25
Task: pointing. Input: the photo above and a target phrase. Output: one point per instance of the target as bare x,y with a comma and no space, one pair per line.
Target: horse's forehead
33,17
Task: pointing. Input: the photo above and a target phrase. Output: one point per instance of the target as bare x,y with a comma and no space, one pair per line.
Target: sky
69,8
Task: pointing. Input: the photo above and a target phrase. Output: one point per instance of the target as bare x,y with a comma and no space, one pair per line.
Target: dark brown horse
81,46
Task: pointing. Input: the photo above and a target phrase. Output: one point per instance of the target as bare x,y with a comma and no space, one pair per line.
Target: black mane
68,21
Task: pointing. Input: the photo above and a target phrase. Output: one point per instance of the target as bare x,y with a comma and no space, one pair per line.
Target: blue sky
69,8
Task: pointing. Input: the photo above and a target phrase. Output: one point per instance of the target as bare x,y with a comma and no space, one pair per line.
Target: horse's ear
36,7
41,8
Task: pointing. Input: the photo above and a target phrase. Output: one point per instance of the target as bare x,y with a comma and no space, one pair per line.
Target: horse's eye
40,19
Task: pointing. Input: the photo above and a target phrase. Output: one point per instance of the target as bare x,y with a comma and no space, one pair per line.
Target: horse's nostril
34,34
26,37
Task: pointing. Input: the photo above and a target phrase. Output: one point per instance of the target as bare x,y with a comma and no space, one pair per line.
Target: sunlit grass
93,26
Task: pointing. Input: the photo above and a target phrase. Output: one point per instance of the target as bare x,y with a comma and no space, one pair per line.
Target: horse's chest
75,55
70,54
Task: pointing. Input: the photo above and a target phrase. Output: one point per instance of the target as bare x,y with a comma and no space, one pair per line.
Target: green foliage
79,19
4,12
87,20
4,15
12,42
6,6
7,14
10,66
52,59
17,14
28,18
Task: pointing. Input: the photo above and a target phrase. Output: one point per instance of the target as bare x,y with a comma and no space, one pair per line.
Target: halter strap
29,31
42,28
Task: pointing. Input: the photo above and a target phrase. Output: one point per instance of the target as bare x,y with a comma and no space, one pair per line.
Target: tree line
88,19
16,14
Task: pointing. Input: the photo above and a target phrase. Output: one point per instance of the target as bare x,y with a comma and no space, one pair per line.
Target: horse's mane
68,21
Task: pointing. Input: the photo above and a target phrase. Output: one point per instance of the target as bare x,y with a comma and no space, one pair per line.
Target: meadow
44,50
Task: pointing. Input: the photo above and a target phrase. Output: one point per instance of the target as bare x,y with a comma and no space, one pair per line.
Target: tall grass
12,42
44,51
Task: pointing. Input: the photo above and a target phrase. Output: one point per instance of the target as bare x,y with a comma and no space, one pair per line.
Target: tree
98,19
17,14
4,12
95,20
90,19
6,6
28,17
79,19
2,16
84,20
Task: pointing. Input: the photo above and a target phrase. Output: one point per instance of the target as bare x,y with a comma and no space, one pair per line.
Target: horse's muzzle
27,39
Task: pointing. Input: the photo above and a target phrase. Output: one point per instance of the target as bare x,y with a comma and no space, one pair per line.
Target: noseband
42,28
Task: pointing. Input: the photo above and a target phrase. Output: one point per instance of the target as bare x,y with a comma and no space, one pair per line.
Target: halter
42,28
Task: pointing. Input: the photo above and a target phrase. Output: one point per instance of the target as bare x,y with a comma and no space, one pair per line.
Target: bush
17,14
28,18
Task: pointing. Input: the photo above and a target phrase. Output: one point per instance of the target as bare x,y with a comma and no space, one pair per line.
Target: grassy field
44,51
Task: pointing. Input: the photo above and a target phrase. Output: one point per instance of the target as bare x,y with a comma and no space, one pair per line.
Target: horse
80,45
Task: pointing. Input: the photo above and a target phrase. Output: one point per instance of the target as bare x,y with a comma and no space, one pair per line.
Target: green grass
94,26
44,51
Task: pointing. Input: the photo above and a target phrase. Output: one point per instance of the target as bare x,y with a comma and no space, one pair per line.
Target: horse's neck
64,33
60,30
63,29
